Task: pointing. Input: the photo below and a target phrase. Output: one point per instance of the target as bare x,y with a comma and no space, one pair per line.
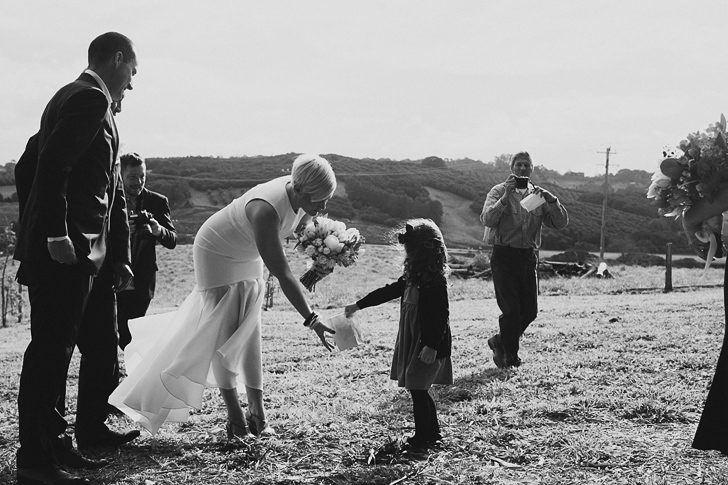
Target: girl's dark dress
712,433
423,321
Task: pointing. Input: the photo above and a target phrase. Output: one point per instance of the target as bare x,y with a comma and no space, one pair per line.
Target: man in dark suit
149,222
73,224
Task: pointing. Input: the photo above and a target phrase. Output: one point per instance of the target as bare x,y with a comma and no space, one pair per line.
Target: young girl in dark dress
422,350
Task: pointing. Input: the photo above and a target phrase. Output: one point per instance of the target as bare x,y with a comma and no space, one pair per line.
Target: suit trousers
516,292
58,295
97,342
130,304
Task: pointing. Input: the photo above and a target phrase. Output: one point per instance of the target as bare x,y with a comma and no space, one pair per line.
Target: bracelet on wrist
313,316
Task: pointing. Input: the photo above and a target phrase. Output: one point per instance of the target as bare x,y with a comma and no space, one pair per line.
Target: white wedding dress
213,339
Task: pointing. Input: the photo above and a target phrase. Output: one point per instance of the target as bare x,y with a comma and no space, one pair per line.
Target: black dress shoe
105,438
72,459
51,475
499,355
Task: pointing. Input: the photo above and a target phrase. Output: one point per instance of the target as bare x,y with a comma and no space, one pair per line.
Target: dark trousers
712,432
97,342
427,426
130,304
58,295
516,292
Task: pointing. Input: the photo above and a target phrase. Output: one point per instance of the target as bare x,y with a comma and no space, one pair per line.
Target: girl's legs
432,422
427,428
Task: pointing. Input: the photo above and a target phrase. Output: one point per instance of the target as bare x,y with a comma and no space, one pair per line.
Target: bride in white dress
213,339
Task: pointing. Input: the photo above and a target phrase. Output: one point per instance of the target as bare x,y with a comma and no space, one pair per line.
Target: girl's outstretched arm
349,310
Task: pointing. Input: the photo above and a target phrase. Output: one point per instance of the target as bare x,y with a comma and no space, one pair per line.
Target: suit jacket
143,254
69,182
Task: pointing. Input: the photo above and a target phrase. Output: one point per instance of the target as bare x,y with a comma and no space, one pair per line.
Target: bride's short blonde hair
313,175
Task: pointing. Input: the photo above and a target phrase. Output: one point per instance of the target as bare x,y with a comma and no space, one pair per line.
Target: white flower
324,225
332,243
653,191
326,251
659,181
349,235
317,241
338,226
310,250
310,231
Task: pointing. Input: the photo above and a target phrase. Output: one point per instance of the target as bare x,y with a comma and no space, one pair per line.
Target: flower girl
422,350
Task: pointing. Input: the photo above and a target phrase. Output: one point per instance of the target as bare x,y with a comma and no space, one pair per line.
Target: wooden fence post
668,269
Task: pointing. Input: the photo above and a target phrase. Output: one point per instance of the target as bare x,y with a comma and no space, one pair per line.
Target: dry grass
610,392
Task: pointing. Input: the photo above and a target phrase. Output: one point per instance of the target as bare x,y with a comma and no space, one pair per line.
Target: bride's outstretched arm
265,221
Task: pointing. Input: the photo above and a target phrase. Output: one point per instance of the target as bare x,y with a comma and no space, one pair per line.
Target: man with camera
149,222
513,214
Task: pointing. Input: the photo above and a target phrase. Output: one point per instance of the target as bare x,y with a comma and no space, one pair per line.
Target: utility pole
604,205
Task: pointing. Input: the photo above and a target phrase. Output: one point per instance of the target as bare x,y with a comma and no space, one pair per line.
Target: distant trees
177,190
392,197
386,191
433,162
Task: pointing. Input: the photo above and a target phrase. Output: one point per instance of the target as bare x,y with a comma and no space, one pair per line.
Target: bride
213,339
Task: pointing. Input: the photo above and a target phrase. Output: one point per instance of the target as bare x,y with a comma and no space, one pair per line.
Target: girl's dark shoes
418,443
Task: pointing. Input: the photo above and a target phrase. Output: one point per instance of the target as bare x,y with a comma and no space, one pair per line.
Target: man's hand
122,276
548,196
154,227
510,187
700,248
62,251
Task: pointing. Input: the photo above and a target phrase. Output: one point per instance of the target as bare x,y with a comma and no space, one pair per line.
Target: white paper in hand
347,334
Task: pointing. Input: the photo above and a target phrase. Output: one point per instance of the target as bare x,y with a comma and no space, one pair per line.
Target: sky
394,79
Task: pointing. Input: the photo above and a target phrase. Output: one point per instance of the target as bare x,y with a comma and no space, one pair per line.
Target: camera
140,218
521,182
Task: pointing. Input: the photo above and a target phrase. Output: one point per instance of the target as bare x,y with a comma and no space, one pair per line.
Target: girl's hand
349,310
428,355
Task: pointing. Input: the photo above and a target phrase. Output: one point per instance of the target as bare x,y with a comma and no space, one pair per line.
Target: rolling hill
376,195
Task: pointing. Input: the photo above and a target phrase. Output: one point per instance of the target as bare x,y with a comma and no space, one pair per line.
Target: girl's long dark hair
425,260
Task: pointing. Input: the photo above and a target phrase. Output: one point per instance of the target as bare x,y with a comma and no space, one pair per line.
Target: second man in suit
149,222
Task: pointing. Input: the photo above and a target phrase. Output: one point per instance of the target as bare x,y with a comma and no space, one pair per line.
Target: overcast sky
384,79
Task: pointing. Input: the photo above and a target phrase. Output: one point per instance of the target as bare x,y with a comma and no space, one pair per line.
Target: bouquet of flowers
697,169
328,243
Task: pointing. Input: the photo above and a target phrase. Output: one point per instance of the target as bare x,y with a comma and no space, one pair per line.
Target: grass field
614,377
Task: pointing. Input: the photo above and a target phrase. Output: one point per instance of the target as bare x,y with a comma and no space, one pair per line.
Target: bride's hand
321,331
